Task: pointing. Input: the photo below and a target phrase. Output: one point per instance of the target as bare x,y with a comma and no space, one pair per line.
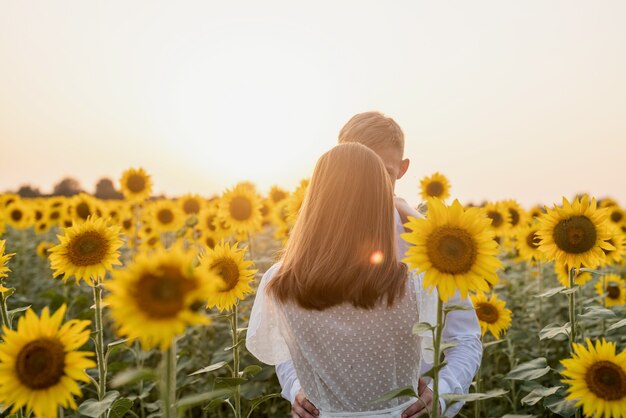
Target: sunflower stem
437,357
102,367
168,381
572,310
235,335
5,311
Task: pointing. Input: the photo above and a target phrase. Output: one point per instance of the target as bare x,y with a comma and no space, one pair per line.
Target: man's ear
404,166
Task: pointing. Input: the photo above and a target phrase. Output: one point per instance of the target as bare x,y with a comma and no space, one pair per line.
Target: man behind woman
338,311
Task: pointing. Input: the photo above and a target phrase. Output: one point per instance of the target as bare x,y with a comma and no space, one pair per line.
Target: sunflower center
191,206
278,195
165,216
16,215
87,249
532,240
209,223
488,313
606,380
613,291
451,250
40,363
228,270
434,188
617,216
55,215
82,210
136,183
240,208
210,242
38,215
575,235
514,216
496,218
162,295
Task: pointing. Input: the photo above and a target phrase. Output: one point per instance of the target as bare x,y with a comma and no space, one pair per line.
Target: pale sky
509,99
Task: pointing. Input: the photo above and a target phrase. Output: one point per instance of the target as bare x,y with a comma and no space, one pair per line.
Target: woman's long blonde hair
342,247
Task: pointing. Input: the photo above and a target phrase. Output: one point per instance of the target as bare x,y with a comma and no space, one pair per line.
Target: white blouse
345,357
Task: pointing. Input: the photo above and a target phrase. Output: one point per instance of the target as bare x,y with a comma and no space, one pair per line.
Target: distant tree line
69,186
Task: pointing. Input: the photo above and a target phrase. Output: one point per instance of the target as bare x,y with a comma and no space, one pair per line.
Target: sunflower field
139,307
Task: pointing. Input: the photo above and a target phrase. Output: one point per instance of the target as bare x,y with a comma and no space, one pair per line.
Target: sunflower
280,217
165,215
499,215
228,262
4,258
492,314
294,202
87,250
616,215
82,206
207,239
18,214
562,274
240,208
614,288
191,204
575,234
158,295
277,194
536,212
210,224
517,215
455,249
436,185
597,379
136,184
40,364
617,240
527,243
43,247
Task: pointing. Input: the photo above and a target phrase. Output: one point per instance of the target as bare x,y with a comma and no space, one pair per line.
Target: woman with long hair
340,304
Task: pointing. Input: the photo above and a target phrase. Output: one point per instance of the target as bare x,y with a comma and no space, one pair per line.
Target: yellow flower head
455,249
87,251
527,243
165,215
277,194
492,314
436,186
136,184
597,379
517,215
235,276
240,208
43,247
18,214
159,295
575,234
294,202
191,204
500,217
614,287
40,364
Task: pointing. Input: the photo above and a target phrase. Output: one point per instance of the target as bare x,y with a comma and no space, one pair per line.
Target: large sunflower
614,288
87,250
527,243
40,364
436,186
136,184
455,249
4,258
240,208
575,234
597,379
492,314
228,262
158,296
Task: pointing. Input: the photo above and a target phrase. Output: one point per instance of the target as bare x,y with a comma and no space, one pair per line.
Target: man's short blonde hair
373,129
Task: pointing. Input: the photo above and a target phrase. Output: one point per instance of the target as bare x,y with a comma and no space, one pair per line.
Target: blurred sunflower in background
437,185
165,215
43,247
234,272
40,364
240,208
86,251
575,234
157,297
82,206
18,214
295,200
499,215
613,288
277,194
4,259
517,215
618,241
191,204
492,314
136,185
527,243
455,249
596,376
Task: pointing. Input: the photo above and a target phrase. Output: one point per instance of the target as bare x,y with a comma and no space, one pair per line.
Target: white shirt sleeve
264,339
288,379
